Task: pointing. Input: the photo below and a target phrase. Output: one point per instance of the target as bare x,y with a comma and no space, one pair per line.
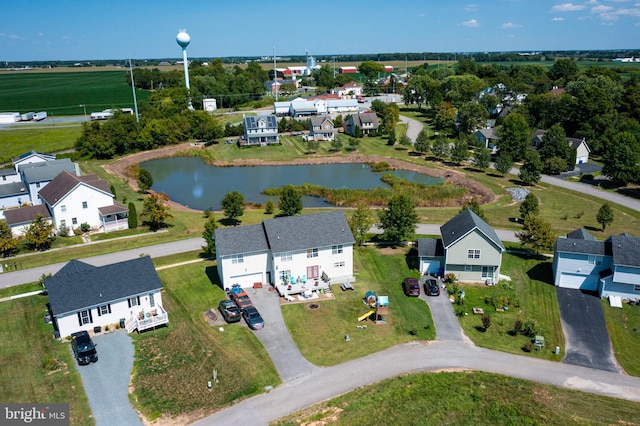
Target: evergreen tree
145,180
529,206
605,215
268,208
209,237
422,144
132,217
531,170
440,147
290,202
460,151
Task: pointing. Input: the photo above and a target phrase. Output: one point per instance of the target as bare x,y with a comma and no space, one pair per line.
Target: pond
193,183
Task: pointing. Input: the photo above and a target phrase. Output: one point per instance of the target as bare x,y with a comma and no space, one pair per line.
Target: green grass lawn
173,364
624,331
17,141
34,367
467,398
530,295
377,270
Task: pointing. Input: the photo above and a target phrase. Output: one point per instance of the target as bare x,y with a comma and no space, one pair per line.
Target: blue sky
115,29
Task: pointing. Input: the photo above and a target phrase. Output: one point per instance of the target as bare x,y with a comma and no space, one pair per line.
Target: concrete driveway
585,330
106,382
275,337
444,318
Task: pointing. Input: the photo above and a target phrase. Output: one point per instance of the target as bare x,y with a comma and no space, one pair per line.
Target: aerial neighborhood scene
423,217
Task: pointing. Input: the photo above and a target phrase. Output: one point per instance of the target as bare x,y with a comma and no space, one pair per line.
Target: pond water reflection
192,182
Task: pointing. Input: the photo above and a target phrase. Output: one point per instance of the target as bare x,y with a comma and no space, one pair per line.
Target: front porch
144,320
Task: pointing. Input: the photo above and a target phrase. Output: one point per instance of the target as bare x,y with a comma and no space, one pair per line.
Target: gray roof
464,223
240,239
625,250
430,247
8,172
47,171
13,188
78,286
34,153
307,231
318,120
365,117
251,123
26,214
581,234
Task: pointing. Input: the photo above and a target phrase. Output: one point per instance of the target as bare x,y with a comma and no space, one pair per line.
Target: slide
365,316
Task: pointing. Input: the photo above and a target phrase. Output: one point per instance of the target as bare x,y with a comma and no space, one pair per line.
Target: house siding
626,275
74,209
325,261
253,263
570,266
457,257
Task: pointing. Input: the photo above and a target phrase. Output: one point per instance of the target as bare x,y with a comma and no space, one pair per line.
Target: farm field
63,93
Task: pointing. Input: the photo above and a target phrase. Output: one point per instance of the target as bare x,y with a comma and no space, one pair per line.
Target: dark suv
411,287
84,350
229,311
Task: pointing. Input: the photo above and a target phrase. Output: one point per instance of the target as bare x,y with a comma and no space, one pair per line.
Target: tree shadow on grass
629,192
229,222
592,228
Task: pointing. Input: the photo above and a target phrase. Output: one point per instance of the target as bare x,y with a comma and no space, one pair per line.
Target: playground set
378,308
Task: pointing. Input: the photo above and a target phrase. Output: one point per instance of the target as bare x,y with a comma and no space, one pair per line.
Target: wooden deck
142,322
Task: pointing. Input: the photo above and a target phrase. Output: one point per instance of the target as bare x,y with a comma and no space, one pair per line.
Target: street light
84,107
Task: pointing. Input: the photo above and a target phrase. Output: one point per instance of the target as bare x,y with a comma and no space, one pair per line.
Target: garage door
247,280
430,266
581,282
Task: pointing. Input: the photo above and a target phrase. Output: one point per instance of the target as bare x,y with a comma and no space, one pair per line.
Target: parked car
253,318
411,287
239,297
230,311
84,350
431,287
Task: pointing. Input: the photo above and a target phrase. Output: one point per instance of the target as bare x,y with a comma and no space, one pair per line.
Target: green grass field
64,93
624,331
467,398
17,141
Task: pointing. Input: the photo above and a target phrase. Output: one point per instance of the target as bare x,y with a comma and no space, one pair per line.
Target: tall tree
474,206
8,244
156,212
563,71
440,147
481,158
209,237
531,169
472,116
445,119
605,215
504,163
132,217
360,222
536,234
145,180
399,219
514,136
554,144
621,159
422,143
529,206
39,234
233,206
460,150
290,202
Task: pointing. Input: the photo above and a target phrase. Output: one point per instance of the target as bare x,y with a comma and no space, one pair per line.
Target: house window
37,184
63,223
487,272
286,257
636,287
285,276
152,302
104,310
4,178
336,249
74,220
339,264
63,209
84,204
85,317
133,301
473,254
312,253
468,268
237,258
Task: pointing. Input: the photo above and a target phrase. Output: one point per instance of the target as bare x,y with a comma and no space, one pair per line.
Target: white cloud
471,8
601,8
67,38
557,19
608,24
40,34
472,23
510,25
16,37
568,7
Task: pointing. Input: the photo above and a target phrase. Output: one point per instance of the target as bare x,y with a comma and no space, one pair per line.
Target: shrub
85,227
50,364
63,231
528,347
517,326
268,209
531,328
207,212
77,231
460,311
453,289
486,321
450,278
586,176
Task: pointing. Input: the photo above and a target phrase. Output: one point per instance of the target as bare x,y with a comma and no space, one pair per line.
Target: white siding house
83,297
20,219
32,157
37,175
292,253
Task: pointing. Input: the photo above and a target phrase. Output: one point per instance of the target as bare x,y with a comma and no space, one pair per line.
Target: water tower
183,40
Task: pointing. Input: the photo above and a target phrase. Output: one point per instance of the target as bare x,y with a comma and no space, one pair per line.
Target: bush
586,176
77,232
460,311
486,321
531,328
528,347
517,326
268,209
207,212
453,288
50,364
450,278
63,231
85,227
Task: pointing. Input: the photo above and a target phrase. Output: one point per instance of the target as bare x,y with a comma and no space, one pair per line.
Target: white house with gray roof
469,248
261,130
610,267
294,253
32,157
38,174
82,296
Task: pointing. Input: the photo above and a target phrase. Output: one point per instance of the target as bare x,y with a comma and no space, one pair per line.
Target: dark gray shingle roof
13,188
34,153
430,247
40,172
626,250
241,239
582,246
251,122
465,222
8,172
581,234
308,231
76,286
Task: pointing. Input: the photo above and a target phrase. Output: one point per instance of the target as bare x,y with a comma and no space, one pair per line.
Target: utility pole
84,107
275,73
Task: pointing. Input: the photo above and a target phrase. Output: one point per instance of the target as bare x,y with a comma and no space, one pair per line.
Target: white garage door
581,282
247,280
430,266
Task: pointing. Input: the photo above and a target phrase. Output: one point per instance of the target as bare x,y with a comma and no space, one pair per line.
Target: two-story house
469,248
261,130
294,253
578,144
321,128
37,175
367,122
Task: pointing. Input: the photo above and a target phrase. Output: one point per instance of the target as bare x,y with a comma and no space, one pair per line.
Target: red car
411,287
240,298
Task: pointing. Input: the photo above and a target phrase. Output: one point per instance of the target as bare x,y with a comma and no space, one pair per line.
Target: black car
253,318
229,310
431,287
84,350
